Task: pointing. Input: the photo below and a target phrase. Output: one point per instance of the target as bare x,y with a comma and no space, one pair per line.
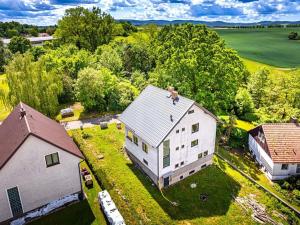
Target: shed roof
15,130
282,141
149,115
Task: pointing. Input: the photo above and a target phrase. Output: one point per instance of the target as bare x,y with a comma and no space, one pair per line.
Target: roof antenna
22,113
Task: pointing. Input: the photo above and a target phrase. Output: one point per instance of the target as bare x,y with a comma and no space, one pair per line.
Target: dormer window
261,137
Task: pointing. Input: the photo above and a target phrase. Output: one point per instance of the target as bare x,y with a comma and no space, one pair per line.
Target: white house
39,162
276,147
169,136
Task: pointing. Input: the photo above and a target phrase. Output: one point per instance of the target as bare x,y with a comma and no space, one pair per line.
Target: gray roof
148,116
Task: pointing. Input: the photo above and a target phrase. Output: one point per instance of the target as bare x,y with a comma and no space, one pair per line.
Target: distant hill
208,23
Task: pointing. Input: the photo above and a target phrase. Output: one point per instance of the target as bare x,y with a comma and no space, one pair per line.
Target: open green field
269,45
140,202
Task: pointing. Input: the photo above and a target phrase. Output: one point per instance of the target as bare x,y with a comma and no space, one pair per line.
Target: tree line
104,64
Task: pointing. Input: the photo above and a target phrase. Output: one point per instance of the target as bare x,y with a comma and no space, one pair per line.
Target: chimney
294,120
22,113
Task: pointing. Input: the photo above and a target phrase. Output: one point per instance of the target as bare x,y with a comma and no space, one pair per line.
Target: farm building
276,147
169,136
39,162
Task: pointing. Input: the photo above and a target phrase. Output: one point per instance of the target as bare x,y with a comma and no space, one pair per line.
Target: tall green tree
29,82
85,28
108,57
244,102
19,44
194,60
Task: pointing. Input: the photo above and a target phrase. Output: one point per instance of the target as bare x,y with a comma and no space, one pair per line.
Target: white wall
38,185
138,152
278,173
206,140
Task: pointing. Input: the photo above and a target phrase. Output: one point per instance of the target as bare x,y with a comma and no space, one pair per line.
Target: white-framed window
194,143
145,147
177,148
52,159
205,153
177,131
182,163
200,155
195,128
176,165
284,166
135,140
145,161
182,146
129,135
183,129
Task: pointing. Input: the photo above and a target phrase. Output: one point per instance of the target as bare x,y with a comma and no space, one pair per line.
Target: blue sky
45,12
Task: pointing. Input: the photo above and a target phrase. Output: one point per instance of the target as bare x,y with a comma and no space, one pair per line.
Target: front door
15,201
166,181
298,168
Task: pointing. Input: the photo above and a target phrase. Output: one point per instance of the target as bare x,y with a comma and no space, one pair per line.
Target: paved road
90,122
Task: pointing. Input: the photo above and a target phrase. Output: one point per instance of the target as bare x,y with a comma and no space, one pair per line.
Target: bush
286,185
296,194
238,138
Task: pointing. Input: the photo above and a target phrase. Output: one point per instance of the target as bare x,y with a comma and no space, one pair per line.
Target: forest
104,64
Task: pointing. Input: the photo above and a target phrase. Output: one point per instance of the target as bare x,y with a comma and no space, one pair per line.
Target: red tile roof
15,130
282,141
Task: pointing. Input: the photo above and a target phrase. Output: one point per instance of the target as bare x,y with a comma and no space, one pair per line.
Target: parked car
66,112
109,208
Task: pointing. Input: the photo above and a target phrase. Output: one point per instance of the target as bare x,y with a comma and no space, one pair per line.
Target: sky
48,12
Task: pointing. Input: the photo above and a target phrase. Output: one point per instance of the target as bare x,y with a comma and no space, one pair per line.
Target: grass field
141,203
269,46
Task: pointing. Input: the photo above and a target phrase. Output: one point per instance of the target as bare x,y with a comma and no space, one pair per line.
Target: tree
5,55
195,61
127,93
85,28
257,85
29,82
19,44
12,33
90,89
244,102
109,58
293,36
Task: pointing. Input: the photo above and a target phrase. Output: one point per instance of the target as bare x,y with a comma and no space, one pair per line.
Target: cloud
49,11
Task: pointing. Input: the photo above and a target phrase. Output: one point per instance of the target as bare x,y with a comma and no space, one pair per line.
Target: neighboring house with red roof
276,147
39,162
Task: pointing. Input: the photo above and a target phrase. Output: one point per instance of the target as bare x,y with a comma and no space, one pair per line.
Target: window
191,172
183,129
129,135
135,140
194,143
166,153
145,147
205,153
181,163
195,128
199,155
182,146
177,131
191,111
176,165
204,165
284,166
145,161
177,148
15,201
52,159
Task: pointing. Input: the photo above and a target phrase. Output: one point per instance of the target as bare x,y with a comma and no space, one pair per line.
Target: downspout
158,178
81,189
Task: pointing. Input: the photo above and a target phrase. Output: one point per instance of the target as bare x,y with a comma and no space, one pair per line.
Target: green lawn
240,123
269,46
141,203
86,212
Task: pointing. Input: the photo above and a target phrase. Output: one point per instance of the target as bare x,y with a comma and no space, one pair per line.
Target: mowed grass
86,212
270,46
244,125
140,202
